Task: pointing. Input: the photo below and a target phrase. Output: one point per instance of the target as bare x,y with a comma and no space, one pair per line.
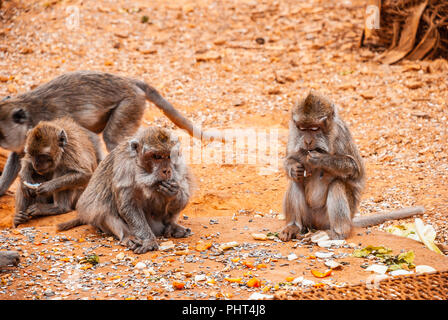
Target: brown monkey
138,191
59,160
9,258
326,174
98,101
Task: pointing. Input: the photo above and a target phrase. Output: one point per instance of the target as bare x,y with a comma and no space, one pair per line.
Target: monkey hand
20,217
296,171
27,192
176,231
168,188
315,159
44,188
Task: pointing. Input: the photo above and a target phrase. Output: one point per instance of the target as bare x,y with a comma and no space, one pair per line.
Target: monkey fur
138,191
326,174
59,160
98,101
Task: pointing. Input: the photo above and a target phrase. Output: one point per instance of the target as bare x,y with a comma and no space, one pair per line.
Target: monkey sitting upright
59,160
138,191
326,174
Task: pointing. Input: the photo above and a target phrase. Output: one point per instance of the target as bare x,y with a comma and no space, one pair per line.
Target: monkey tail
70,224
175,116
379,218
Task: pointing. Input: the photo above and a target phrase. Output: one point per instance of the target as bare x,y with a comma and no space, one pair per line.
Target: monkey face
13,127
43,163
312,137
158,164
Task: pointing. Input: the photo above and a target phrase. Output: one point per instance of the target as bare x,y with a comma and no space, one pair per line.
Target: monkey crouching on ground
326,174
100,102
60,157
138,191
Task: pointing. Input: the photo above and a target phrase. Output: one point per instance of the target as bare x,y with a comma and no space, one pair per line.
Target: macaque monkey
98,101
9,258
326,174
138,191
59,160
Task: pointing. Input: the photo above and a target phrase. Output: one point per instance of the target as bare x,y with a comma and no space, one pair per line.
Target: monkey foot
141,246
20,217
289,232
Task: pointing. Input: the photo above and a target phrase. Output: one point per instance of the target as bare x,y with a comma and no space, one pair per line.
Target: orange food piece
289,279
65,259
202,246
170,259
237,280
319,285
261,266
247,264
319,274
311,257
178,285
235,259
253,283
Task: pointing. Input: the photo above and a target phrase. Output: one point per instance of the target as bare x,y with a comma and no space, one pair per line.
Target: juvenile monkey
98,101
326,174
59,160
138,191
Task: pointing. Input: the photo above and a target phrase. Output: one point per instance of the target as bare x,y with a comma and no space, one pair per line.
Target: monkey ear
19,116
133,144
62,138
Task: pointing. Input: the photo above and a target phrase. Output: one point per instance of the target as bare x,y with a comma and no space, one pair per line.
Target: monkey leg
338,211
295,208
10,172
22,202
64,202
124,121
97,145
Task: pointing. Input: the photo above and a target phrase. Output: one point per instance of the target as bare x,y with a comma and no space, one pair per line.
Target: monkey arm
68,181
133,214
343,166
10,172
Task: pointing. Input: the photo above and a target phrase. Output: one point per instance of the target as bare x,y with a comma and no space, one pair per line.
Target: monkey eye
157,156
309,128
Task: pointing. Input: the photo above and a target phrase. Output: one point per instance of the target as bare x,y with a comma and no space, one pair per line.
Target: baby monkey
60,157
138,191
326,174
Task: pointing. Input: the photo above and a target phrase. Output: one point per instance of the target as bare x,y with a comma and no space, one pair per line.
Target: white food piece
324,255
298,280
319,236
259,236
399,272
31,185
377,268
140,265
333,264
260,296
167,245
200,277
329,243
424,268
292,257
228,245
306,282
